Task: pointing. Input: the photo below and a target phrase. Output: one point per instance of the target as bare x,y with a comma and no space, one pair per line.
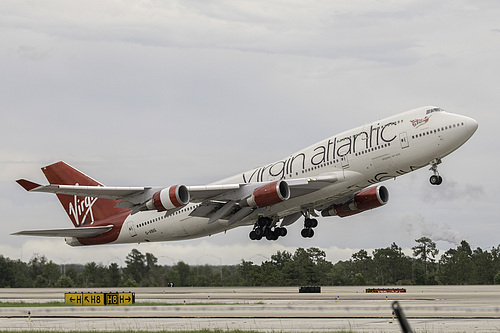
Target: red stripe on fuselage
110,236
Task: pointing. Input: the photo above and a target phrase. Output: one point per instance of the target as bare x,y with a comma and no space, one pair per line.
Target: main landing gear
309,224
435,179
263,228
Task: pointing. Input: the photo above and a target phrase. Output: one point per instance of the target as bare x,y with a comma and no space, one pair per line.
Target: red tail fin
81,210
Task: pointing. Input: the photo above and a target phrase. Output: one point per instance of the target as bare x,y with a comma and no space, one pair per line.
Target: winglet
27,185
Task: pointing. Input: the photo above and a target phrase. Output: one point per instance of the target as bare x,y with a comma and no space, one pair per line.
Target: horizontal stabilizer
81,232
27,185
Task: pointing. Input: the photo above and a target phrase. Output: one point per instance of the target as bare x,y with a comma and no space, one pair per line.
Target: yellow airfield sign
93,299
97,299
120,298
73,298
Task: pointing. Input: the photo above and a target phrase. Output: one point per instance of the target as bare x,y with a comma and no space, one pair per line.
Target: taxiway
429,308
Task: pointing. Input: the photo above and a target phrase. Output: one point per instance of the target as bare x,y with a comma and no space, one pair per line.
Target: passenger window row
140,225
369,150
437,130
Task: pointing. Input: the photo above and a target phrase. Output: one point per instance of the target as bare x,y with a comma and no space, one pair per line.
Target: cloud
324,30
31,53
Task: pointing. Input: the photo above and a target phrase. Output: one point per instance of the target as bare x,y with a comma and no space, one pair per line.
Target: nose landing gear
435,179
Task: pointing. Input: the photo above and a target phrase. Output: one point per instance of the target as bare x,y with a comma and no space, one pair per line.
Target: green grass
30,304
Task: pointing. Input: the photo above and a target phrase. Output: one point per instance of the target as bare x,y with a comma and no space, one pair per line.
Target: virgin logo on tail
81,209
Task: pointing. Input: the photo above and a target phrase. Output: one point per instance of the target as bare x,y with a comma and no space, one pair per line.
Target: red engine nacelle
268,195
367,199
169,198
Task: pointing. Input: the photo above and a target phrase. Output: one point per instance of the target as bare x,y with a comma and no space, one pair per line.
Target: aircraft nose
471,125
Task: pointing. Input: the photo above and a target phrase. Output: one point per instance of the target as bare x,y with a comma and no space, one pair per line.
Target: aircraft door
344,162
403,139
131,229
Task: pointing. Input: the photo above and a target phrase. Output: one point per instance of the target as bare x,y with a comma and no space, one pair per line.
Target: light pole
63,266
258,255
211,255
111,259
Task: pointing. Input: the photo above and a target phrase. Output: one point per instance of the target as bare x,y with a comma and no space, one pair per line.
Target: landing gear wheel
272,235
256,234
276,234
310,223
307,232
436,180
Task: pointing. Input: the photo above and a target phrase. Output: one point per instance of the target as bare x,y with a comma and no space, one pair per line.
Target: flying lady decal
419,122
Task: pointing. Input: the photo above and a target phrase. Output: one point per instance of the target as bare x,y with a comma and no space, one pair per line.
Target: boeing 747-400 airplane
334,177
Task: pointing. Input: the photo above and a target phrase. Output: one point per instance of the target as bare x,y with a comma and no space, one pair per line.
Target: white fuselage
363,156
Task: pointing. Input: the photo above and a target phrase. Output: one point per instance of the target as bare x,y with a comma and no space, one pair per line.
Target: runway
430,309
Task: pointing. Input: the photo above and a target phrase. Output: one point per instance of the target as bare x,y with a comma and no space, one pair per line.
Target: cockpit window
434,110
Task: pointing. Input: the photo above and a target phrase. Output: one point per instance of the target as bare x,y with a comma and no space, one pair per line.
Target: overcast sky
167,92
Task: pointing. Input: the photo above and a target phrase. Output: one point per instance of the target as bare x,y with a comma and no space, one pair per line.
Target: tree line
384,266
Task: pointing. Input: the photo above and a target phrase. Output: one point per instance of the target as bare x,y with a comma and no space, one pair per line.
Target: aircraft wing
227,204
132,194
81,232
217,200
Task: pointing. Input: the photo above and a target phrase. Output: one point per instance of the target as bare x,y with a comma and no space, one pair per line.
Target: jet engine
267,195
367,199
169,198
